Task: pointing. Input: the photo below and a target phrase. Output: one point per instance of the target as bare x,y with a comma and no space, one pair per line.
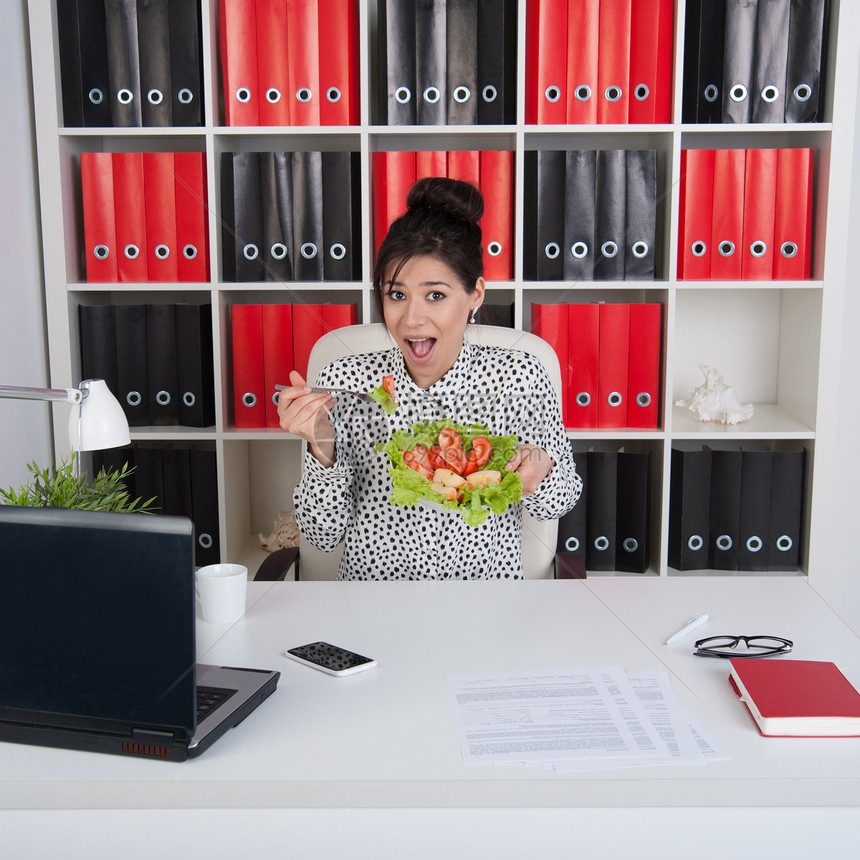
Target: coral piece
716,401
285,532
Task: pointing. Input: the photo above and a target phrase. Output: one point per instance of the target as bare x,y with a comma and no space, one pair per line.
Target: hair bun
459,199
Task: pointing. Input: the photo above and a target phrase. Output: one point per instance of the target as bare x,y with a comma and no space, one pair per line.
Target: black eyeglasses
753,646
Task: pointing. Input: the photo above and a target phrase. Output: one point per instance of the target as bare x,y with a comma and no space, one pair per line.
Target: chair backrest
539,537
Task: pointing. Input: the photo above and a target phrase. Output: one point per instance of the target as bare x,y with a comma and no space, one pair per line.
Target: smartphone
330,658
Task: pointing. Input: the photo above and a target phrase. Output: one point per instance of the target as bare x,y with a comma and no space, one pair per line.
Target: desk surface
386,738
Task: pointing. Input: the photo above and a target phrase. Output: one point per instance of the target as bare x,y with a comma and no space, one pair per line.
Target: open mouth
420,349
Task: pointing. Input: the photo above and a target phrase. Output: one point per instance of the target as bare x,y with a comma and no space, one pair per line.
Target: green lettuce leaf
384,399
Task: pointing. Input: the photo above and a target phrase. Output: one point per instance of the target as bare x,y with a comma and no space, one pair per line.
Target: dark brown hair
441,221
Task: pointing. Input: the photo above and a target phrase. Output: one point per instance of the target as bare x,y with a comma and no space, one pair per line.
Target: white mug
221,590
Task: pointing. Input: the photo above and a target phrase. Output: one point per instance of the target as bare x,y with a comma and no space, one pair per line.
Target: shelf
773,340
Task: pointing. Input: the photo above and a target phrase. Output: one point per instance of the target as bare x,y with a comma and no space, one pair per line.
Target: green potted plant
60,486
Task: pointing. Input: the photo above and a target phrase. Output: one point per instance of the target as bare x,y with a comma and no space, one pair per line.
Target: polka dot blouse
507,391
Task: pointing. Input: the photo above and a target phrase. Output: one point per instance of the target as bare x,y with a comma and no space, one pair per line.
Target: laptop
97,637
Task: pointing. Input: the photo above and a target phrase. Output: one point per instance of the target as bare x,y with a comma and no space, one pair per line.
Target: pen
692,624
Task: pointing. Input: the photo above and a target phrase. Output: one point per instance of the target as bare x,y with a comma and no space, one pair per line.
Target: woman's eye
395,295
436,296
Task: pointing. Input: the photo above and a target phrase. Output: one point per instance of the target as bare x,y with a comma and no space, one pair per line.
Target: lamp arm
19,392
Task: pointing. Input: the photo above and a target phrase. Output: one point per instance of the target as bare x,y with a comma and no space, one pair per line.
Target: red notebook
797,698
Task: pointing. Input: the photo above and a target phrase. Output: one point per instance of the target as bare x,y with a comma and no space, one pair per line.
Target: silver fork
359,394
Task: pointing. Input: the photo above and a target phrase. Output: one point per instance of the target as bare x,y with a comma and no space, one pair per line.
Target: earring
472,317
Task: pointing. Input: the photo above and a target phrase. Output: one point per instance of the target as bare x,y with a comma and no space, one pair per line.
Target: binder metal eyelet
726,248
125,96
189,252
583,398
403,95
614,398
601,543
695,542
630,544
308,250
609,249
133,398
784,543
101,252
250,251
185,96
572,544
552,93
131,252
552,250
155,97
489,93
641,92
243,94
432,95
494,249
738,93
643,399
770,93
579,250
249,399
273,95
162,252
337,251
724,542
711,93
332,94
582,93
640,249
754,543
279,251
276,397
699,248
788,249
188,398
205,540
96,96
162,398
462,94
613,93
803,92
758,248
304,94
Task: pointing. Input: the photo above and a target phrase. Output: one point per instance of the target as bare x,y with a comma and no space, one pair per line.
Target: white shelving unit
778,343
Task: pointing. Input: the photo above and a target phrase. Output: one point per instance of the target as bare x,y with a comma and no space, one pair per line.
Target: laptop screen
97,619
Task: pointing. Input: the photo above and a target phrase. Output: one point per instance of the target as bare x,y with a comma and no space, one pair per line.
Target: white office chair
539,537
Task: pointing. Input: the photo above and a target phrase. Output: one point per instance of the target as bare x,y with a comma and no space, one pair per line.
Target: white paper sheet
576,719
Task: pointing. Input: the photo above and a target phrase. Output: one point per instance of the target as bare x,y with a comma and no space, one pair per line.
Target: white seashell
716,401
285,532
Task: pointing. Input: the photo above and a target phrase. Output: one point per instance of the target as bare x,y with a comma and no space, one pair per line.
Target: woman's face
426,310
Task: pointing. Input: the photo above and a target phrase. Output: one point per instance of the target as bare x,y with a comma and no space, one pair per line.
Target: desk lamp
97,422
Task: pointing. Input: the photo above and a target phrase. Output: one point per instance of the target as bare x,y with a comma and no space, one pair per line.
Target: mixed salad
461,468
384,395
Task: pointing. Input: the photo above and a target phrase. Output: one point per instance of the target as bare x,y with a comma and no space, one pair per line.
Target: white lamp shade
98,421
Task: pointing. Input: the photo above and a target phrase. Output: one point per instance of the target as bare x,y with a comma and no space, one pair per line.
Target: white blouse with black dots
507,391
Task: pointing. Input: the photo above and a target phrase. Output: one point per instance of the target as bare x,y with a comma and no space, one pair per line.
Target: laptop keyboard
209,699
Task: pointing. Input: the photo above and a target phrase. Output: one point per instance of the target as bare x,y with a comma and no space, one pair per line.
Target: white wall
844,595
25,430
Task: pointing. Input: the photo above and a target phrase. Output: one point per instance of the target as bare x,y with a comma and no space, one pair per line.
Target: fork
359,394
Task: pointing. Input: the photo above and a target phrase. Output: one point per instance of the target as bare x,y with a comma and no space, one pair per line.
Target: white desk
370,765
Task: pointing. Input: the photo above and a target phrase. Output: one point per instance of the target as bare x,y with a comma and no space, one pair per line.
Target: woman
428,283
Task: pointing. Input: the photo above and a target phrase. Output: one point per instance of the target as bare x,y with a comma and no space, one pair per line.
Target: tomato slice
419,460
388,385
478,454
449,438
455,459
